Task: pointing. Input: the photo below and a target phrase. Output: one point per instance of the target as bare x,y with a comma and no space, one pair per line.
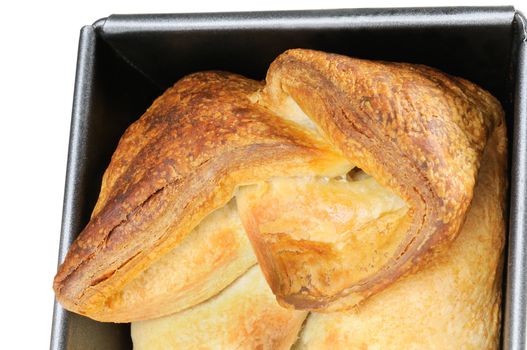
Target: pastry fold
453,302
183,159
417,131
404,141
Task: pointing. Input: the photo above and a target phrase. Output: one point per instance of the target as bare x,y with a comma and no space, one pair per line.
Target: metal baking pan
125,61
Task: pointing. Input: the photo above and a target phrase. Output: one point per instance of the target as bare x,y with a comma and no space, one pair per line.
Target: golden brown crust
181,160
416,130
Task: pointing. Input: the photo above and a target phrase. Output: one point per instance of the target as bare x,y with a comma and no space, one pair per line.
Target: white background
38,48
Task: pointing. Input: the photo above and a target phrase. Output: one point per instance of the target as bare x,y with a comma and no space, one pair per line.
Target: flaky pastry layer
419,133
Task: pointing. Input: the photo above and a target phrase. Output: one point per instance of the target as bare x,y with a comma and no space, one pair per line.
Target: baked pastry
179,162
245,315
350,178
453,302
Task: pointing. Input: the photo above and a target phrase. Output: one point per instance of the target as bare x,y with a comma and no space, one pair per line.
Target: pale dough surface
243,316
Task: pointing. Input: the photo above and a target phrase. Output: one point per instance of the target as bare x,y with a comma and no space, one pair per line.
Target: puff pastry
243,316
347,180
453,302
